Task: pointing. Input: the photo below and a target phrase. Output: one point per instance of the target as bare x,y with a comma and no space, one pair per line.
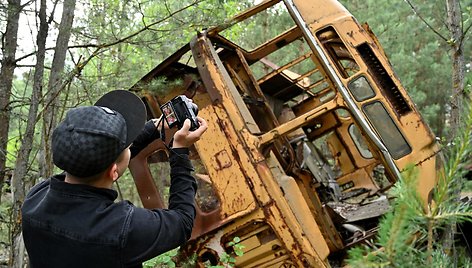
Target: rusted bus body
298,154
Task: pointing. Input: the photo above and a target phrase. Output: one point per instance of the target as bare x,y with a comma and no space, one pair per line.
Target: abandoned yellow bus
299,152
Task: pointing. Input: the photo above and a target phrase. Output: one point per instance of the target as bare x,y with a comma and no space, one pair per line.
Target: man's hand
185,138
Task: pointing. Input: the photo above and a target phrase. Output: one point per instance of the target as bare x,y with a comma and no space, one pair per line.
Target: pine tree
410,235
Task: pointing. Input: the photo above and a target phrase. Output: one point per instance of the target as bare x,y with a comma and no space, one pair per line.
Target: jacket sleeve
148,135
153,232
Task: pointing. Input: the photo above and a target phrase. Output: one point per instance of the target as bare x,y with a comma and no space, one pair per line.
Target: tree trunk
20,181
55,87
454,25
9,44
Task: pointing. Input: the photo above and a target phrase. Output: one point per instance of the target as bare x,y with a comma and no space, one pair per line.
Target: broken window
339,54
361,89
387,129
206,197
359,141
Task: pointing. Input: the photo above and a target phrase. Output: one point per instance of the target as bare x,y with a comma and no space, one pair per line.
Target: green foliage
229,259
21,89
161,84
411,235
12,148
126,189
167,260
237,247
163,260
5,220
467,186
142,34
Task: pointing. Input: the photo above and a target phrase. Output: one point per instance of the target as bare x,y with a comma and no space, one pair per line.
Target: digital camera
178,109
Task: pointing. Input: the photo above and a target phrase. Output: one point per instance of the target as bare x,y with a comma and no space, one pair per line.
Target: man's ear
113,172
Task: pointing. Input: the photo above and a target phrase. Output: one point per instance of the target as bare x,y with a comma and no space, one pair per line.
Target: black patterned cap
91,138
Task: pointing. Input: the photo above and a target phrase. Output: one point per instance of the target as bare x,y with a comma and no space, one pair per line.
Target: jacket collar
58,184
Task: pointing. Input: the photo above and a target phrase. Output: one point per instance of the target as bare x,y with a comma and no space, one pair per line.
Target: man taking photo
72,219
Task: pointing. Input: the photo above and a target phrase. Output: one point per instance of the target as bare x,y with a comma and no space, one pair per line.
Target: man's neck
101,182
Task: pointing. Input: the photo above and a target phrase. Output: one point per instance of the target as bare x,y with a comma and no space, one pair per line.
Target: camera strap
163,134
163,137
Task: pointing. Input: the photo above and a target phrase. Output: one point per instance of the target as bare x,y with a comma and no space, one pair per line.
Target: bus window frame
381,127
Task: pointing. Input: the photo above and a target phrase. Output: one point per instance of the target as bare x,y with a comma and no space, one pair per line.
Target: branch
105,45
464,32
168,10
425,22
77,70
98,48
51,18
464,215
52,48
26,4
146,27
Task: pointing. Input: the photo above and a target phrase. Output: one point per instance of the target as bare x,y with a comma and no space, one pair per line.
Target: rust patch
222,160
428,158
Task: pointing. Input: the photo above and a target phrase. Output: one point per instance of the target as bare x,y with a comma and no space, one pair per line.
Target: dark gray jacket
70,225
